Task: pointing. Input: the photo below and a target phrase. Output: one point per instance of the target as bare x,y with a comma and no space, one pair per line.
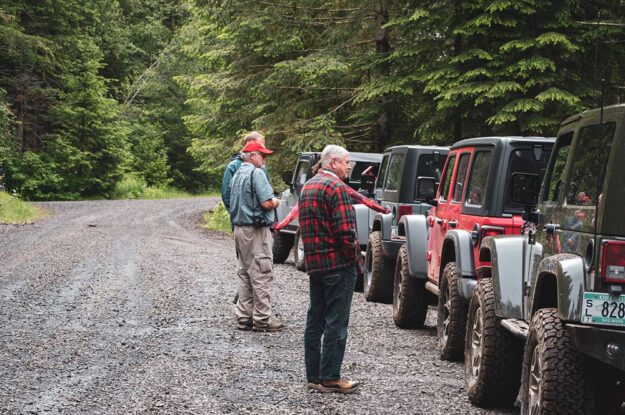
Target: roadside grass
15,211
131,187
218,219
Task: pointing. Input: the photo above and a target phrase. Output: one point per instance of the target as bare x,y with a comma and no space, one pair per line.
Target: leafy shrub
130,187
15,211
218,219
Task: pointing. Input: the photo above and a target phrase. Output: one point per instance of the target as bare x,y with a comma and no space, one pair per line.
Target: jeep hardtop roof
404,148
594,112
353,155
495,140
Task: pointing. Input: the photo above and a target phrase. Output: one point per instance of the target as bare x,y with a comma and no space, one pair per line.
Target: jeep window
527,168
477,178
301,175
555,179
379,184
461,174
428,167
357,168
448,173
395,169
589,164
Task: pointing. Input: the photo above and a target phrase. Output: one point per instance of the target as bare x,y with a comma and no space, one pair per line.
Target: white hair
254,136
330,152
245,156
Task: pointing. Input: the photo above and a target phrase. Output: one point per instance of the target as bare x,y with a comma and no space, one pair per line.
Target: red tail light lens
613,261
403,210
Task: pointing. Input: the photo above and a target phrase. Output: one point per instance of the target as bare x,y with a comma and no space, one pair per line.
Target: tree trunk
382,47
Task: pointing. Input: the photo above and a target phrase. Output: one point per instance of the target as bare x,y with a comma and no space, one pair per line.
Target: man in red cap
233,166
251,213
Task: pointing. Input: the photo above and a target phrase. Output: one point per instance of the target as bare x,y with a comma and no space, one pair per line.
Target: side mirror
524,188
426,188
287,176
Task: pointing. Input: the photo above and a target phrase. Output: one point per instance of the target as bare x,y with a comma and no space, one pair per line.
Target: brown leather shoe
338,386
313,386
273,325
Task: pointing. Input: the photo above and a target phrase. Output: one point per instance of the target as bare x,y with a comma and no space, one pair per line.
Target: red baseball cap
255,146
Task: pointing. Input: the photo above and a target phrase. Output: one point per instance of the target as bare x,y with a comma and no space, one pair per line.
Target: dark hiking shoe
273,325
244,325
338,386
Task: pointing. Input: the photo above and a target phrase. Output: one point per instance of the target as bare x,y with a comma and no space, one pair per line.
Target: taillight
491,231
613,261
403,210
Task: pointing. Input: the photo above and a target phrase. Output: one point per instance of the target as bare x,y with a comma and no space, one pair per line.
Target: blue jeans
328,316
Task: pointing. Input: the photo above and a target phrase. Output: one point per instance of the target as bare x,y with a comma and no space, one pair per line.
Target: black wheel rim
397,289
475,358
446,300
368,266
534,381
300,249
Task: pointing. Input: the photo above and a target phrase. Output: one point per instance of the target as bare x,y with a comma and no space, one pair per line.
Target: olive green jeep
548,314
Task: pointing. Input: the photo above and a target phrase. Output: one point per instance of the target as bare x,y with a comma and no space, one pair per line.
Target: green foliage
218,219
15,211
162,91
134,187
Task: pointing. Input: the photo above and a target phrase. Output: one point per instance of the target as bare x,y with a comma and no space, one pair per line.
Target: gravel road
117,307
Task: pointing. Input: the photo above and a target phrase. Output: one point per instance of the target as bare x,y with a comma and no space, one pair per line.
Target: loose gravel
118,307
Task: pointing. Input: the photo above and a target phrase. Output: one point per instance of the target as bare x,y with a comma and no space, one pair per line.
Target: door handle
452,223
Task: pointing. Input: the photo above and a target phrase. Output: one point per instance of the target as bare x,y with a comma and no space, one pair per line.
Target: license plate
601,308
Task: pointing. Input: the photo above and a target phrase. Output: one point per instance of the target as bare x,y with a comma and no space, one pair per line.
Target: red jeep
483,190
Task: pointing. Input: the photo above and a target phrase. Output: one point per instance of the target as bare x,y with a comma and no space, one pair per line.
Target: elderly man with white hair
328,227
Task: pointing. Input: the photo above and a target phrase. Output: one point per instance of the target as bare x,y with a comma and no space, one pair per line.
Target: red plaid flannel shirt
327,224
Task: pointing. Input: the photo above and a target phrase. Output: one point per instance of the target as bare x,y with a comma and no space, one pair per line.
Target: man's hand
270,204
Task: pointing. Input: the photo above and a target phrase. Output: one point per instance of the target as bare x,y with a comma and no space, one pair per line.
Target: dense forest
161,91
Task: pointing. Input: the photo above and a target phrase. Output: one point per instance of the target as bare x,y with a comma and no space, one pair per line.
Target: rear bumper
604,344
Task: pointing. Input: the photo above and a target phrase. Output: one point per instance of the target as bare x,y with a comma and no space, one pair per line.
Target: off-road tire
410,302
492,356
451,316
554,370
298,256
378,284
282,244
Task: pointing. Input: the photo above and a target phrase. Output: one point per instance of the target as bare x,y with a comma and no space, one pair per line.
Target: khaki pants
255,273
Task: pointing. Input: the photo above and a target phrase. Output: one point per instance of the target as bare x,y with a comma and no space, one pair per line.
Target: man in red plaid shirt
328,227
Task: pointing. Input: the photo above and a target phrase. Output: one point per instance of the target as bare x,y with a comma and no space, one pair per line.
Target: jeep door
475,209
536,242
302,174
435,218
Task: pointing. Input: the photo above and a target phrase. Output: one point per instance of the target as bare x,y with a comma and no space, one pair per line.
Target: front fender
506,254
568,270
385,222
463,246
415,229
362,223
